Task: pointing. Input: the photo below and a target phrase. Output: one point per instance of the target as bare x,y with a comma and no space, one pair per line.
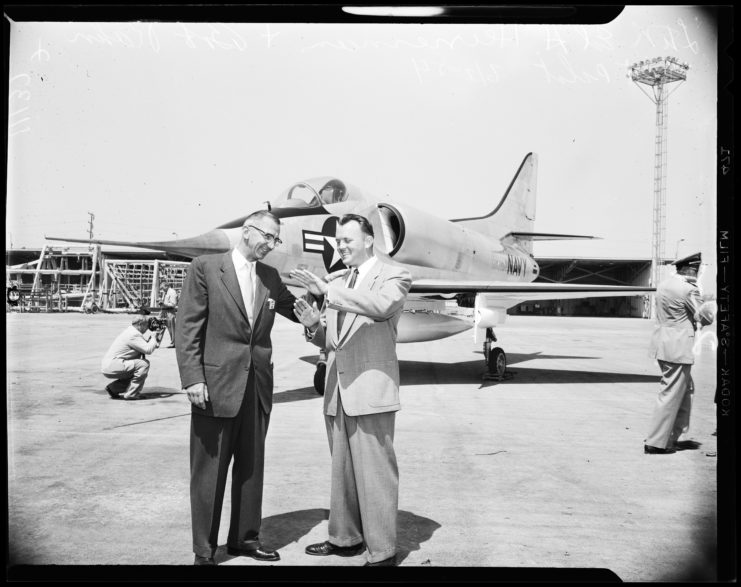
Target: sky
167,130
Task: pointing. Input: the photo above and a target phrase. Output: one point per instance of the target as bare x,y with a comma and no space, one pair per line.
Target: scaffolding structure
58,280
657,73
62,280
132,284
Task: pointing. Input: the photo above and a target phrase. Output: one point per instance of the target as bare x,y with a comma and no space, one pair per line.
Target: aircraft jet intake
416,238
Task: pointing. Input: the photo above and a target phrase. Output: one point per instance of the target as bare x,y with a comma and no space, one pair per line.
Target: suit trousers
671,415
364,496
213,443
130,376
168,315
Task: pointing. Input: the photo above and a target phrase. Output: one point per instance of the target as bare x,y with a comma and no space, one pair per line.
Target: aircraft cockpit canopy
313,193
307,197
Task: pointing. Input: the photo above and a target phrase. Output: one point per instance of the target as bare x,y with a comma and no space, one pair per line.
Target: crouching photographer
125,361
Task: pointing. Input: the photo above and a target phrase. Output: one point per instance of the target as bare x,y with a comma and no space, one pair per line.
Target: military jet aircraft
466,272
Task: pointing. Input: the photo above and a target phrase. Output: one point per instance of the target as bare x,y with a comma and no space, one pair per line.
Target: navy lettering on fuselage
515,265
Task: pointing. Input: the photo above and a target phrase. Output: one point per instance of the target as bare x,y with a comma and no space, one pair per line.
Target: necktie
350,285
248,295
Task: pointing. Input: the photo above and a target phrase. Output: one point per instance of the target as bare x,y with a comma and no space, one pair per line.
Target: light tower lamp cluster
659,70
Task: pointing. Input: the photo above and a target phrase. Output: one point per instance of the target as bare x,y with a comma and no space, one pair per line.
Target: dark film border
104,11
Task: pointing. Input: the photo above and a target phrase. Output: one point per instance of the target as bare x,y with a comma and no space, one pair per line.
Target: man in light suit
227,307
679,310
361,310
168,307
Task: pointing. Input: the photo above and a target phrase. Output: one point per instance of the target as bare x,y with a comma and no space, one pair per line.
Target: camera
155,324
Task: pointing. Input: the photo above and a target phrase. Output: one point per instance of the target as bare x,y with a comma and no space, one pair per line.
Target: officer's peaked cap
693,260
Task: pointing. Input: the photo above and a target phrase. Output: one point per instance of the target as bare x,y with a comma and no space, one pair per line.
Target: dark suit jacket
215,343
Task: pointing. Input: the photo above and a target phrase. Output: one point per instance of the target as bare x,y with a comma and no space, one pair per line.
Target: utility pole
657,73
676,253
90,231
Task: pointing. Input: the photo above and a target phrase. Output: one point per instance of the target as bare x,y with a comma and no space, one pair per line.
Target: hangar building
59,278
592,271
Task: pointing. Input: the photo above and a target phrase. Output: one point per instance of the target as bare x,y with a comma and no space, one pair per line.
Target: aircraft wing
211,242
526,291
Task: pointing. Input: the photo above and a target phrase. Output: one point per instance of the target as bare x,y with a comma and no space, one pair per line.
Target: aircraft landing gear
496,360
320,376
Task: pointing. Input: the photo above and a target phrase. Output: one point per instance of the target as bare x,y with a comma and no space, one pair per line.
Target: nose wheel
320,376
496,359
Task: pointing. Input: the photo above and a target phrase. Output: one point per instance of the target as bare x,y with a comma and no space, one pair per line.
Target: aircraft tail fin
515,212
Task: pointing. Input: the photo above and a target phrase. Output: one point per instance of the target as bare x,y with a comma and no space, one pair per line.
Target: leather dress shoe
112,393
388,562
204,561
654,450
326,548
259,553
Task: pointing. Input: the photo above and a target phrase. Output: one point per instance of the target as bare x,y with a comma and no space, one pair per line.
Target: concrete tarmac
545,469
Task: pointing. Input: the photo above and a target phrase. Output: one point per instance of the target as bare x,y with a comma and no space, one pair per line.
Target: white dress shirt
246,275
363,269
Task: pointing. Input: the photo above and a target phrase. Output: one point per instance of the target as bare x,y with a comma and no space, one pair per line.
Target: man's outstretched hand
313,284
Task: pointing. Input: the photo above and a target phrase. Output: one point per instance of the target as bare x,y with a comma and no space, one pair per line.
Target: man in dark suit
361,311
226,312
679,310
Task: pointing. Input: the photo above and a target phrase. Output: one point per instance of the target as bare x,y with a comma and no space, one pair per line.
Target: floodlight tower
657,73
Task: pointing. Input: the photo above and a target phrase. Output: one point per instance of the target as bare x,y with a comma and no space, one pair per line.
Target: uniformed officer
678,313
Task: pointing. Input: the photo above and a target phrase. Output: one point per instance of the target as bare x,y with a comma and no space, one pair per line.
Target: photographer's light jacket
129,345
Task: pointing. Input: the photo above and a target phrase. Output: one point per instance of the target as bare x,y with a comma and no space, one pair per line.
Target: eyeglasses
269,238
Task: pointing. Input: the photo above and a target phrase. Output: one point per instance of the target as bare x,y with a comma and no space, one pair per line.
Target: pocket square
271,304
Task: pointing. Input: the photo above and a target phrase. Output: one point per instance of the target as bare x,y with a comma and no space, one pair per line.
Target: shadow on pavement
525,375
687,445
280,530
148,393
413,530
514,358
422,373
295,395
283,529
429,372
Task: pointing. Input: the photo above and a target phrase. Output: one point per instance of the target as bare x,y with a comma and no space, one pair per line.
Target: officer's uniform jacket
677,306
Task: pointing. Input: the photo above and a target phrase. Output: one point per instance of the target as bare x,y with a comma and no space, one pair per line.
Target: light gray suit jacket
361,359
